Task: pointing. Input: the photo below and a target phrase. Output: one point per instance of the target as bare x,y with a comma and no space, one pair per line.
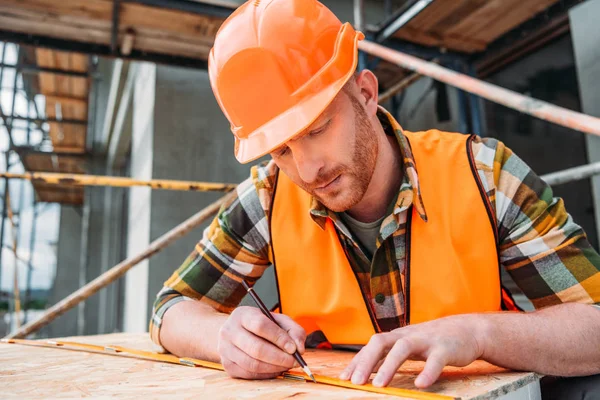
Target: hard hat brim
293,121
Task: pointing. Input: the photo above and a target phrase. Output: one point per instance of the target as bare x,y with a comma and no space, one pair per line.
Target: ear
368,86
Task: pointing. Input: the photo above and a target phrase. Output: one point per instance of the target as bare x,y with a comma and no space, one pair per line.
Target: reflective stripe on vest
452,264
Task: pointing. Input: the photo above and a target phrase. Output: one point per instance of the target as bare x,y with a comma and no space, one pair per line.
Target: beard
355,177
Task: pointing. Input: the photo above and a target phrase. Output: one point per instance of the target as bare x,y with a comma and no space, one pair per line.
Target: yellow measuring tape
193,362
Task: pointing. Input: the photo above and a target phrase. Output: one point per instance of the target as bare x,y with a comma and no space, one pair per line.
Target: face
335,157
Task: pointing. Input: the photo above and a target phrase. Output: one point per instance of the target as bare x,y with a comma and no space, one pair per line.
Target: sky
46,234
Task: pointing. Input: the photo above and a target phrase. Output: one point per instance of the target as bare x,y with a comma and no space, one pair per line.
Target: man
379,237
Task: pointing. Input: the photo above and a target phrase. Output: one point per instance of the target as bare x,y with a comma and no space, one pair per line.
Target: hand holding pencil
268,314
252,346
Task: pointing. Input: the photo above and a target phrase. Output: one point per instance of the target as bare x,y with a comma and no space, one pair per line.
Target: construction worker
379,237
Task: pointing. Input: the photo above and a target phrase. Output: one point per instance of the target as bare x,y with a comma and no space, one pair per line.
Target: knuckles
379,340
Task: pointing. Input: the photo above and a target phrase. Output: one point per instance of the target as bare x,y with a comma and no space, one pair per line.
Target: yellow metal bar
16,292
120,269
52,178
194,362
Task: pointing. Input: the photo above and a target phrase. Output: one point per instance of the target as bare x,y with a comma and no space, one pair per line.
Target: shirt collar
410,191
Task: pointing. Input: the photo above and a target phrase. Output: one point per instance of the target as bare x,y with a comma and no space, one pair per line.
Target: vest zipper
484,197
488,208
407,267
273,247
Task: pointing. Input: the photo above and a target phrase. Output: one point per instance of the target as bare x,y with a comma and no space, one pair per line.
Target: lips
328,185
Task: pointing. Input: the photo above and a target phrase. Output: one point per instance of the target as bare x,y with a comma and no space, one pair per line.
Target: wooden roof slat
63,83
169,21
44,162
432,39
468,25
80,62
45,58
91,21
66,100
479,18
40,24
436,11
513,17
67,138
459,13
167,46
72,197
83,9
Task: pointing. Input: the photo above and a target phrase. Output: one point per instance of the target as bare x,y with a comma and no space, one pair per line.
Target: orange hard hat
275,66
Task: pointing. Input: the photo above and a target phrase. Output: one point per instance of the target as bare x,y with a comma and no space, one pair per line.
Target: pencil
266,312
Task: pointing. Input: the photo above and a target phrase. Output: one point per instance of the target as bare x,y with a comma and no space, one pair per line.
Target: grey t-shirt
364,232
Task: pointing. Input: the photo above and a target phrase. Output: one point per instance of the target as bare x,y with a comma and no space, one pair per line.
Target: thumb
296,332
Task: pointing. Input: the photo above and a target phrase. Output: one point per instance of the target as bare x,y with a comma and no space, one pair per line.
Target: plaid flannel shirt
544,251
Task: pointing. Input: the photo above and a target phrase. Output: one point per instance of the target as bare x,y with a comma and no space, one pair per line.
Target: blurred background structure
120,88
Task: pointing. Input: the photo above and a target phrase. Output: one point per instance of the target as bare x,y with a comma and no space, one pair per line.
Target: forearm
187,321
562,340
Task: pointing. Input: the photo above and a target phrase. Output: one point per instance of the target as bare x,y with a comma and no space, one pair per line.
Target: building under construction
115,154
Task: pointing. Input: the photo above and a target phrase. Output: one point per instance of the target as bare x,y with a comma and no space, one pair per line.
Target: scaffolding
445,66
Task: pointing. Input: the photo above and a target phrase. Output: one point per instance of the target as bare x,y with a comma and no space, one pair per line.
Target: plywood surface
51,373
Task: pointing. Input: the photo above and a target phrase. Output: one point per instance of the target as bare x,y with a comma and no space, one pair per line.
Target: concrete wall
66,280
585,32
180,133
548,74
417,111
142,152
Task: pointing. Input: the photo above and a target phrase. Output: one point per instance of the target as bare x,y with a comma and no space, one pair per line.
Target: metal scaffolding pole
14,96
98,180
398,87
475,105
525,104
6,179
16,303
30,261
83,258
359,24
120,269
572,174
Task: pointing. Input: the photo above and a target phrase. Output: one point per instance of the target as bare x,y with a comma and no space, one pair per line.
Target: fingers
360,368
432,371
244,361
236,371
260,349
399,353
263,327
296,332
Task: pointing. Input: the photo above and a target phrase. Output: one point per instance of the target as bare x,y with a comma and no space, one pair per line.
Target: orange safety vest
452,261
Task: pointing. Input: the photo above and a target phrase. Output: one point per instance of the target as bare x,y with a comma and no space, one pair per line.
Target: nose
308,163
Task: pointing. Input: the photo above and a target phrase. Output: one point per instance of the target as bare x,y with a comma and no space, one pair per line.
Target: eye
320,130
282,152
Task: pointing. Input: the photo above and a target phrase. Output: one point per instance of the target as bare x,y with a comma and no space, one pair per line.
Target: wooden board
67,98
156,30
469,25
44,162
50,373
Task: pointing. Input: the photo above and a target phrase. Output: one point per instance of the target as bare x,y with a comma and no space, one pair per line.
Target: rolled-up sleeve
545,252
235,246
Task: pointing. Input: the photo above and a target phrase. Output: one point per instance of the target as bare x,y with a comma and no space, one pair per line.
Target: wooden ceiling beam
67,101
